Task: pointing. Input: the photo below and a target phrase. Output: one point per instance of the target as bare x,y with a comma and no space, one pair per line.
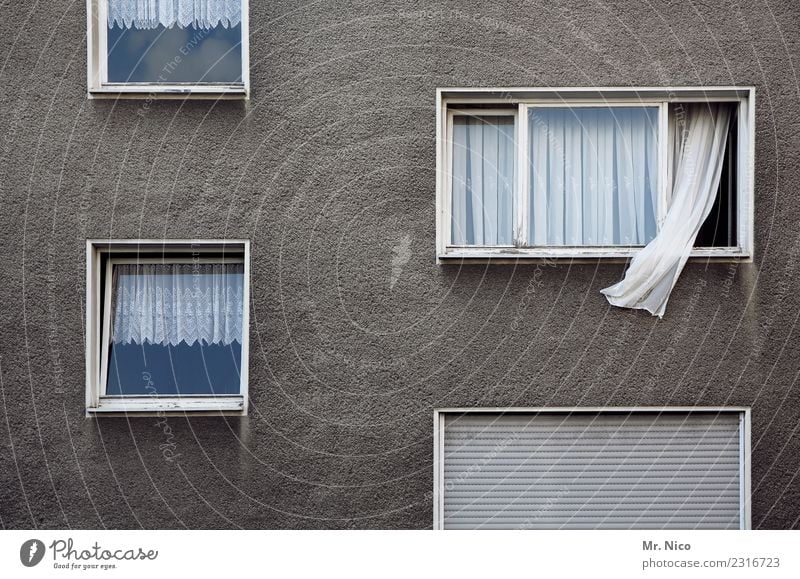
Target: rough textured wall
357,335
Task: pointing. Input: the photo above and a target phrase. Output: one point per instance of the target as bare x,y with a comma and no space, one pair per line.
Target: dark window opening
720,227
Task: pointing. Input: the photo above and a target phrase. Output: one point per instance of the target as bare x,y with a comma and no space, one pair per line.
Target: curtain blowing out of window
654,271
152,13
172,303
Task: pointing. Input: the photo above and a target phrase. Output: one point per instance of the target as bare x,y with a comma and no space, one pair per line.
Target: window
168,327
671,468
582,172
168,48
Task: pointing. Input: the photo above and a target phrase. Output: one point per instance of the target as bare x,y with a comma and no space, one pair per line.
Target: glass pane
176,329
150,42
482,180
166,370
593,175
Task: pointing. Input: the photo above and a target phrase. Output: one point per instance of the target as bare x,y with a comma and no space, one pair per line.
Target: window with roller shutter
591,469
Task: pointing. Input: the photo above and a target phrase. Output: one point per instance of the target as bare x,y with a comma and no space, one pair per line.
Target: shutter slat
641,525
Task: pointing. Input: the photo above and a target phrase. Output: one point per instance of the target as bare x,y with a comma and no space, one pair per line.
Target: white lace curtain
150,13
171,303
699,152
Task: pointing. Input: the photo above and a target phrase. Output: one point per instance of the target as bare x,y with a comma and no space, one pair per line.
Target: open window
168,327
582,172
163,48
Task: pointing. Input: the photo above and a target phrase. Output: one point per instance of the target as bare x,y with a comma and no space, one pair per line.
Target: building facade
315,173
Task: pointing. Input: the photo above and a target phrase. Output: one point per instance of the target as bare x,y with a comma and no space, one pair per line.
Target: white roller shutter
591,470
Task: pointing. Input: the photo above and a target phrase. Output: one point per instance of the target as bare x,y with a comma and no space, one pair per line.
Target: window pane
176,329
637,470
164,370
482,180
175,41
593,175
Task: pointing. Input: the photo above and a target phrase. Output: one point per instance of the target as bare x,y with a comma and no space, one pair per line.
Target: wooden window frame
100,254
97,63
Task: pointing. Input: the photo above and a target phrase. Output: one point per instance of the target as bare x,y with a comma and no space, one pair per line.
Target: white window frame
100,253
97,63
449,101
745,517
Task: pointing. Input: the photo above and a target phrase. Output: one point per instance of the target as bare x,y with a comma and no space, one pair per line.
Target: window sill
573,254
167,92
148,405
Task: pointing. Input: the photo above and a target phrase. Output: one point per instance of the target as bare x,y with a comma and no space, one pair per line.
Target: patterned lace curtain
170,303
152,13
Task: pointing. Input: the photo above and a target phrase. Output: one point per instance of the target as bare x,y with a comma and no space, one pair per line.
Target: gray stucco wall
328,169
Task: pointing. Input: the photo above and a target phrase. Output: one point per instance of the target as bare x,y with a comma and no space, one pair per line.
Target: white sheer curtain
699,152
151,13
482,180
593,175
170,303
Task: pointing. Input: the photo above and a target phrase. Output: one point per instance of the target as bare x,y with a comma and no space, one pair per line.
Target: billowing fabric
593,175
170,303
167,13
483,180
701,137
